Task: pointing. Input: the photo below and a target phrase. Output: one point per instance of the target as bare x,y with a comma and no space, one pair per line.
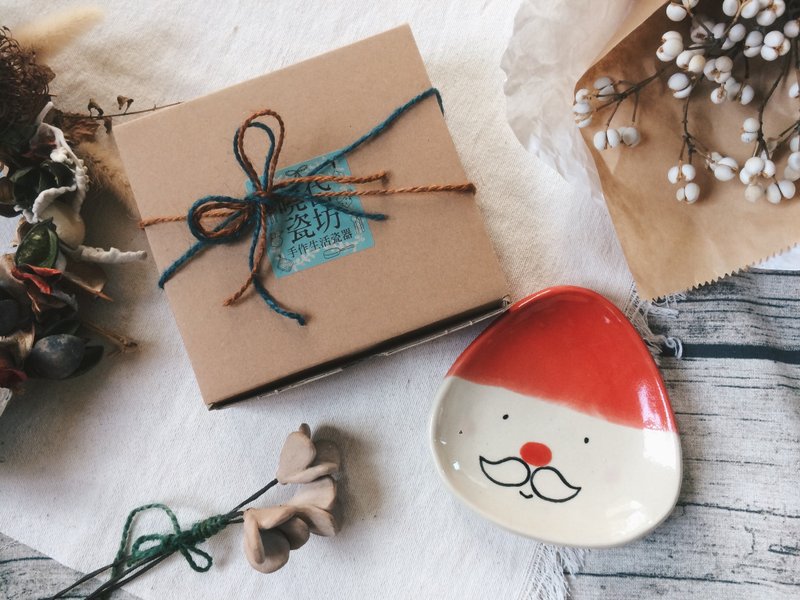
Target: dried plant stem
690,142
635,88
761,143
700,21
142,566
687,137
613,113
120,342
131,112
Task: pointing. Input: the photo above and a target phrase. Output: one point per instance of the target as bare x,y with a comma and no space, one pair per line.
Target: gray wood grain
735,533
29,575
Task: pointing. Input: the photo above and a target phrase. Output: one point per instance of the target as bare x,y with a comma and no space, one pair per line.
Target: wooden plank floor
28,575
736,531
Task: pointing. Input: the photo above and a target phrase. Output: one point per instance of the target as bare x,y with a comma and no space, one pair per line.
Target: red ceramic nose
535,454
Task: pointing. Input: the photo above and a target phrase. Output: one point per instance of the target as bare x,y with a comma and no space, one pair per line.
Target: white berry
751,125
791,174
690,193
730,7
600,140
630,136
774,193
746,94
753,192
754,165
787,188
750,9
613,138
676,12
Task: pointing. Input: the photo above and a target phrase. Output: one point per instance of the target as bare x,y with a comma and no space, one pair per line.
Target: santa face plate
556,425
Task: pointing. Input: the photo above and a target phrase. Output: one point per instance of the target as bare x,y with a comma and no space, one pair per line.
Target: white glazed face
586,481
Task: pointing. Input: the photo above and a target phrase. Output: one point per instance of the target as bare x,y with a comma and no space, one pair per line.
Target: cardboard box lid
431,266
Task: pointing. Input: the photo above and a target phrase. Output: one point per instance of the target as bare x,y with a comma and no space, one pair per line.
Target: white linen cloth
76,456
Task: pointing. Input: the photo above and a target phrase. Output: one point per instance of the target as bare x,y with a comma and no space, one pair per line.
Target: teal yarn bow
250,213
150,549
151,545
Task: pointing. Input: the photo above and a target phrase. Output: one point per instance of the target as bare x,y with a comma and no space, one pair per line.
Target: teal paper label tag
306,234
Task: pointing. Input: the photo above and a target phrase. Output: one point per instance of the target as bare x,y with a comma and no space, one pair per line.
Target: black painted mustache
528,478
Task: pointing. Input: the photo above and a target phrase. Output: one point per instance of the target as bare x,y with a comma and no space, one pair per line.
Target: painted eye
585,440
505,417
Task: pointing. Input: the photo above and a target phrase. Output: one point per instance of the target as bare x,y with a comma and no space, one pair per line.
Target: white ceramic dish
555,424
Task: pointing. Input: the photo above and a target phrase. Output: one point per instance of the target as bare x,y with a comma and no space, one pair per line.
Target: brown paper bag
672,246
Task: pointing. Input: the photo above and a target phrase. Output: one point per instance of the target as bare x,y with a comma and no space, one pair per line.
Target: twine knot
184,541
226,219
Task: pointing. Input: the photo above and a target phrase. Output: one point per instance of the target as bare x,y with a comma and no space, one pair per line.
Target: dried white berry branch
768,30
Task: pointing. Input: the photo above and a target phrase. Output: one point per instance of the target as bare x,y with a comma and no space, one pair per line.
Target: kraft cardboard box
365,287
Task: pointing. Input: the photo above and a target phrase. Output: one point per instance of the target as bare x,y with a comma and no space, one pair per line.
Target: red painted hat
571,346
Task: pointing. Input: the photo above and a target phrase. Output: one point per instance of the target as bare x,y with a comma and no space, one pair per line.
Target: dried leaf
77,128
7,198
39,248
32,181
48,302
23,227
88,277
10,375
19,343
108,124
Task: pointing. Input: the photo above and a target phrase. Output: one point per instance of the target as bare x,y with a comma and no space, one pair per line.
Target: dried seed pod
94,106
124,102
39,247
56,356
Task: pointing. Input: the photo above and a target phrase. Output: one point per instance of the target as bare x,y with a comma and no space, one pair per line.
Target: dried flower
124,101
94,106
23,94
303,460
48,302
77,128
271,533
61,355
716,51
38,247
32,181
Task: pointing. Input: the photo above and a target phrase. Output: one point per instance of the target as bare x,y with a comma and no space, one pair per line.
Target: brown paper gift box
431,269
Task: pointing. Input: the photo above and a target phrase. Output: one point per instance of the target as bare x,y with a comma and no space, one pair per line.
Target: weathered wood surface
736,531
28,575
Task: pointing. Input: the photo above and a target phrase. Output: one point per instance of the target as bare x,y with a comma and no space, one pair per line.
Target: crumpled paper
548,53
